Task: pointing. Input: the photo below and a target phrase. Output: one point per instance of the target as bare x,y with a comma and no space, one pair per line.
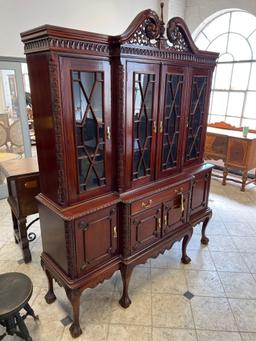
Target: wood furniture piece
236,151
120,125
15,291
23,185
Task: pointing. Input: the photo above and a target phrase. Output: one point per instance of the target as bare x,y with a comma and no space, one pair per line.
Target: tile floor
221,277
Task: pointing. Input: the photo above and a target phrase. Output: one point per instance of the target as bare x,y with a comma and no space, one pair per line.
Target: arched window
233,35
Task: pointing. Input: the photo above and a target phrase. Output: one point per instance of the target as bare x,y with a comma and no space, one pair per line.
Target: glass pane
219,44
239,47
252,83
233,121
250,107
11,137
142,123
252,42
217,26
235,104
216,118
171,123
219,103
196,117
223,76
242,22
240,76
202,42
249,123
89,117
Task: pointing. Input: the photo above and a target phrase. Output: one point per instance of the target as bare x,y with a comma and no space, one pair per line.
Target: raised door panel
200,192
96,238
141,122
197,116
87,126
175,212
237,152
146,228
172,108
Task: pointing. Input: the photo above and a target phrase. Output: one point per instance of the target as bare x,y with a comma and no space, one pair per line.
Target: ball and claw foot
75,330
50,297
204,240
125,301
186,259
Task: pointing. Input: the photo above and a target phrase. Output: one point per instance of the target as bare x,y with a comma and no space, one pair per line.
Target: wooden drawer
96,238
156,199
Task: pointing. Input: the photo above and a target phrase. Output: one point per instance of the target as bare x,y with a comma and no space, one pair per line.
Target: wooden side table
23,185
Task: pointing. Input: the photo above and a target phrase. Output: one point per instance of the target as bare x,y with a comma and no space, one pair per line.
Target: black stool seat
15,291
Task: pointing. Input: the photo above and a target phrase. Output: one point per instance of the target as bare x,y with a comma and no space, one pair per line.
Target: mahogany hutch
120,125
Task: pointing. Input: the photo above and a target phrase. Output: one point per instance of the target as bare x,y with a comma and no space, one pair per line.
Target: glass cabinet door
171,120
142,105
88,111
197,116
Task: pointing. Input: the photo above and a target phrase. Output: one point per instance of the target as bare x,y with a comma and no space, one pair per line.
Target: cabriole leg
185,258
244,180
74,298
126,272
225,174
204,239
49,297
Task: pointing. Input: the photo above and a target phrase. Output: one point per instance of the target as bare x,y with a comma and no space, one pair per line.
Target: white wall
198,10
102,16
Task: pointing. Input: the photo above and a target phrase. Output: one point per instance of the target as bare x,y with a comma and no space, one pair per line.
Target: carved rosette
176,39
56,114
148,32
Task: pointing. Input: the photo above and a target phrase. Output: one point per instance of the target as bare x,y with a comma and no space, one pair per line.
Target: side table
23,185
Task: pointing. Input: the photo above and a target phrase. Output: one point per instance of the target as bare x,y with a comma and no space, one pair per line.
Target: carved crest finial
162,7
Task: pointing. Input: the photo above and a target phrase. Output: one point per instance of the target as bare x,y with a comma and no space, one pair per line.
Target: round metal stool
15,292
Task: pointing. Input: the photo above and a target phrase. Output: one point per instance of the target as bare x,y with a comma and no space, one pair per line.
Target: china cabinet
120,126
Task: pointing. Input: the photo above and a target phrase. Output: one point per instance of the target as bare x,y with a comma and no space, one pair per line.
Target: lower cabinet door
200,192
96,238
146,228
175,212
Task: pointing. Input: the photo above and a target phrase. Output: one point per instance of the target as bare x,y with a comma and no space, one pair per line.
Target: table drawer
155,199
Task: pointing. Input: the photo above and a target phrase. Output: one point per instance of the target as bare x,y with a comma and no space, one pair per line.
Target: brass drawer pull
161,129
147,205
31,184
114,232
165,220
108,133
159,223
154,127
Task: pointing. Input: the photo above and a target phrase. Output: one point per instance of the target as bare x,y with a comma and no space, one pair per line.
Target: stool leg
23,333
31,312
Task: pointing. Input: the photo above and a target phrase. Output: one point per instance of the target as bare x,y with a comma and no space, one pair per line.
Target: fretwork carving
176,37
